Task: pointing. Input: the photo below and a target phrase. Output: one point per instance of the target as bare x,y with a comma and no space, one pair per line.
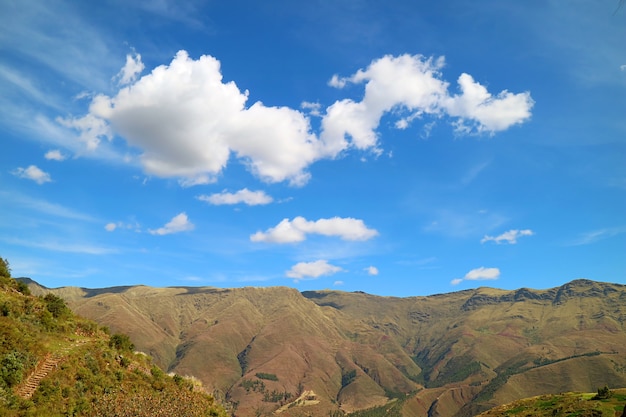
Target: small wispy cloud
291,231
63,246
32,173
372,270
133,67
245,196
509,237
45,207
112,226
478,274
461,224
597,235
180,223
55,155
312,108
312,270
473,173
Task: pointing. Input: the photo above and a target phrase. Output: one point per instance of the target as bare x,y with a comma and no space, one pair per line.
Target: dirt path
50,362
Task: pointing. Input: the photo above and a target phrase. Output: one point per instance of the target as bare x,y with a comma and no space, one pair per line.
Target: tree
121,342
603,393
5,270
56,305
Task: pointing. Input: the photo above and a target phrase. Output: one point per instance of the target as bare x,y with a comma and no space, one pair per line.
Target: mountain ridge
453,354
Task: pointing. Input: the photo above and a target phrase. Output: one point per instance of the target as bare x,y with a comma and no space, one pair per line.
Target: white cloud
510,236
91,129
131,69
180,223
290,231
55,155
337,82
188,123
251,198
597,235
413,85
314,269
338,283
45,207
464,224
32,173
110,227
313,108
62,246
478,110
372,270
622,67
478,274
197,180
406,82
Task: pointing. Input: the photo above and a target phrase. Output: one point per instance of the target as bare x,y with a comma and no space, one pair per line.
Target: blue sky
398,148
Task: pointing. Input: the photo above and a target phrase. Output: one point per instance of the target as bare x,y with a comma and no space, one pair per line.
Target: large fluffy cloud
291,231
409,82
188,123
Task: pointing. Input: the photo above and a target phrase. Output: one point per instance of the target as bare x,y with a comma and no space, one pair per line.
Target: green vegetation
567,404
254,385
505,372
53,363
457,369
269,377
604,393
348,377
5,270
121,342
276,396
392,409
56,306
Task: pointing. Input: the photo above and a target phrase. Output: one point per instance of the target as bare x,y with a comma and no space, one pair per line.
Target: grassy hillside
448,355
607,403
53,363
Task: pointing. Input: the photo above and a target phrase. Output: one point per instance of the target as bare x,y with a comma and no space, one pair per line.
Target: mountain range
324,353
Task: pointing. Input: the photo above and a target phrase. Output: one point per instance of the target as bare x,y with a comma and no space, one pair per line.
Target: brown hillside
471,350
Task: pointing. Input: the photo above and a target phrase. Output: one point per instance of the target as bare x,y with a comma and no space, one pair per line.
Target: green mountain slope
53,363
454,354
605,403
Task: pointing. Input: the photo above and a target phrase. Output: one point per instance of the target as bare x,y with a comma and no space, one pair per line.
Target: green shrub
12,368
603,393
121,342
5,270
56,305
269,377
347,378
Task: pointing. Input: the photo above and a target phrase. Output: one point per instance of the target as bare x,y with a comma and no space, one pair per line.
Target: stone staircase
49,363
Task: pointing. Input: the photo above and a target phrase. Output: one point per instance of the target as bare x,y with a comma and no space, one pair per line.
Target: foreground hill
53,363
610,403
452,354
